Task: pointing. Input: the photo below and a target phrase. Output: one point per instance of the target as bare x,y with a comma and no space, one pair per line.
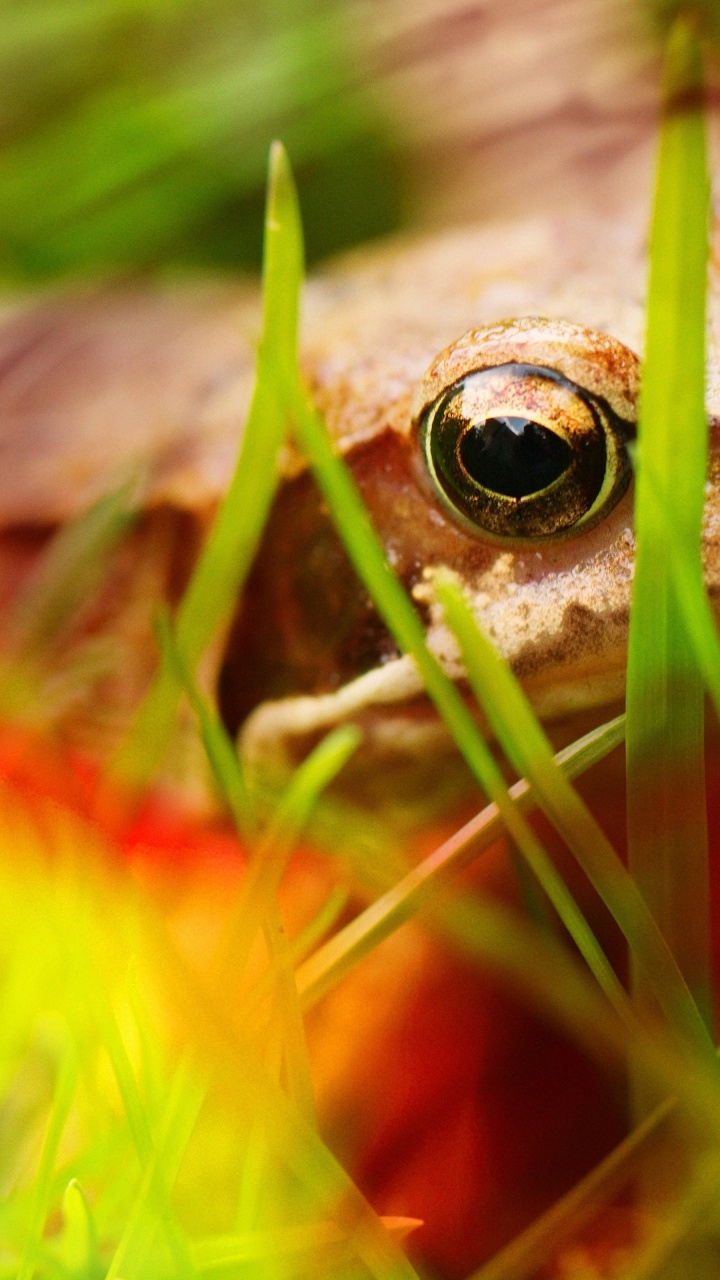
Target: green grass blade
62,1102
287,1017
220,750
541,969
74,928
309,937
78,1244
269,857
521,1259
419,887
306,785
318,1172
667,832
692,596
698,620
178,1120
262,883
229,550
70,571
704,12
526,745
321,1249
124,1075
535,964
126,158
679,1245
368,556
269,854
106,1025
228,553
257,901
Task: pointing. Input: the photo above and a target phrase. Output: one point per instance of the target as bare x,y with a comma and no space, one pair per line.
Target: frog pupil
513,456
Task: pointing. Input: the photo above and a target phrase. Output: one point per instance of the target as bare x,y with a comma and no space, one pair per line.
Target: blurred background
134,133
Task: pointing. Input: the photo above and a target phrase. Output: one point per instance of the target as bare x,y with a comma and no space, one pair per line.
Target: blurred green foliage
134,133
705,13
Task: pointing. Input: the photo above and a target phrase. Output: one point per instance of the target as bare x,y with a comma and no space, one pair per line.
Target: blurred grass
126,1147
526,745
422,884
226,557
113,1110
134,133
667,822
71,570
704,13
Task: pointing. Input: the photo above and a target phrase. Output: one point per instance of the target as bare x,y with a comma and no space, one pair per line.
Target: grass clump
228,552
157,1097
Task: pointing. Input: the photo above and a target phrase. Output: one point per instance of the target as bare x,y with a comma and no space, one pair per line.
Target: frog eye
520,450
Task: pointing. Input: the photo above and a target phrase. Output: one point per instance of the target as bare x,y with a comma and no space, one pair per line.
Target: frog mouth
397,719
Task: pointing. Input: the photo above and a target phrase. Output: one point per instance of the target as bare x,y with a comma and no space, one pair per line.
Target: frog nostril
513,455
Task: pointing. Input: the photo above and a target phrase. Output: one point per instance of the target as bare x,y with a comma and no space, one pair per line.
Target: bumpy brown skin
557,609
98,384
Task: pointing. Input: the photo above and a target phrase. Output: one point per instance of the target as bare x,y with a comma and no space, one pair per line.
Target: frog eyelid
598,363
628,427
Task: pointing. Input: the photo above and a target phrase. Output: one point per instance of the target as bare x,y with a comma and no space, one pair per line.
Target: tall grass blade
551,979
306,786
678,1245
521,1259
526,745
78,1243
177,1123
220,750
368,557
692,596
269,855
667,830
69,572
229,550
320,1249
62,1102
332,962
268,858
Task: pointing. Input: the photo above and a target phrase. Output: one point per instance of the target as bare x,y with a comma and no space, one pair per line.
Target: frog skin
97,382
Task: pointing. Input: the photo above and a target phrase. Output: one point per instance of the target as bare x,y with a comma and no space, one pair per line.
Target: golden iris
520,451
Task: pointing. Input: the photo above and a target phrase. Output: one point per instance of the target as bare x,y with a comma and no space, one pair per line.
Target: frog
540,320
156,381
